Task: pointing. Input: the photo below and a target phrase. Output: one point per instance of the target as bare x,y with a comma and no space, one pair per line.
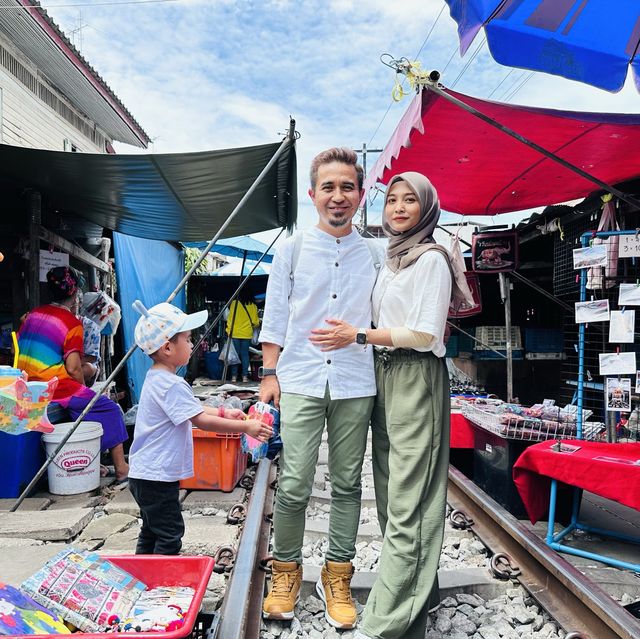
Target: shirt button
336,263
337,241
328,361
334,296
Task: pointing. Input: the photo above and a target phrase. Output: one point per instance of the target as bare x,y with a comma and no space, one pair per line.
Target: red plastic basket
159,570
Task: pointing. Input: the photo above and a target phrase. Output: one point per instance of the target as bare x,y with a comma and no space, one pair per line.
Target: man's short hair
336,154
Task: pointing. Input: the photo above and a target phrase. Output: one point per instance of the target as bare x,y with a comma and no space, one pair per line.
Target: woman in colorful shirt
50,342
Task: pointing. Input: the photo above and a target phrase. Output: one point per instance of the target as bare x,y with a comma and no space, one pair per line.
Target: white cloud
200,74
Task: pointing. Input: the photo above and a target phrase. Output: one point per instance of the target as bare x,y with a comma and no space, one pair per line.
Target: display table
608,470
461,431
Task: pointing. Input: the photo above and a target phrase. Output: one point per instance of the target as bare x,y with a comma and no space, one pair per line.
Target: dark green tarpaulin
174,197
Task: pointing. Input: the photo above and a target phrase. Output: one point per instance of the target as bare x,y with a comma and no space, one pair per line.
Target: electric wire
501,83
424,44
513,94
469,61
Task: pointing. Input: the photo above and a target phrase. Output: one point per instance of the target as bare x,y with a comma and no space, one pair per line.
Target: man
324,272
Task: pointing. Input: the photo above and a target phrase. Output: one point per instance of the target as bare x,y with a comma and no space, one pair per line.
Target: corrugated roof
40,39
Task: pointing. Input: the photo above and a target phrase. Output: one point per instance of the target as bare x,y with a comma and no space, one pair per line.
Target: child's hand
234,413
257,429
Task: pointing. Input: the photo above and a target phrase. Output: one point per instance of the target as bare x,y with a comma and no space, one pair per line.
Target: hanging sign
629,246
49,260
494,251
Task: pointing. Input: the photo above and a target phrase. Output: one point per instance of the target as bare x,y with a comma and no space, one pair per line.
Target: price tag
629,246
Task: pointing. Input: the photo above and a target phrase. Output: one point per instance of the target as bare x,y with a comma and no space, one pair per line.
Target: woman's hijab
405,247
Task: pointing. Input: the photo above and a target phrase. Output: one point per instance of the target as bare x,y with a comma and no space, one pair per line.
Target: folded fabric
21,615
84,589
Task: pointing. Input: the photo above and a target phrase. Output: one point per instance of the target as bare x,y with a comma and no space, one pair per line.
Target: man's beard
337,222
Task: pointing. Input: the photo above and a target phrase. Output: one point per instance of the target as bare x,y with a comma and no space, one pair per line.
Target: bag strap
297,247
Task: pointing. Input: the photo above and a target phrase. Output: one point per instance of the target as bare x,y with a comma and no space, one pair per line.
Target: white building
50,96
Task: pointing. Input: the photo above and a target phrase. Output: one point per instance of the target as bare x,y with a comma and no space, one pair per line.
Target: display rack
552,539
525,428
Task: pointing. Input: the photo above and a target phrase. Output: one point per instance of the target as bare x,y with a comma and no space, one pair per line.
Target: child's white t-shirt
162,448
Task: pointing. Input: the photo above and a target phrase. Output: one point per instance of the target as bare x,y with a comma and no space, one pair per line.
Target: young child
162,450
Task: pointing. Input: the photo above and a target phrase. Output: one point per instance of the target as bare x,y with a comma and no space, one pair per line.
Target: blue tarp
592,42
148,270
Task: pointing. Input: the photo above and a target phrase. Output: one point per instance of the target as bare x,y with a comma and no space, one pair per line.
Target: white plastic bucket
76,468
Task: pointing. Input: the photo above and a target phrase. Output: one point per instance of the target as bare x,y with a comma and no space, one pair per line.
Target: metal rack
526,428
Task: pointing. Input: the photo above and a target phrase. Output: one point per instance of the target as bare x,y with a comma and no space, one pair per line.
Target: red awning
479,170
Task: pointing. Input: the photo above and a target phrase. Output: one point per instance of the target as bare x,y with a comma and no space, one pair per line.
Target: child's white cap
161,322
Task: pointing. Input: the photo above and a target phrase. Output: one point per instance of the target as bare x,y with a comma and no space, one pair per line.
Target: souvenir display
617,363
618,394
494,251
536,423
84,589
593,311
21,615
23,404
621,326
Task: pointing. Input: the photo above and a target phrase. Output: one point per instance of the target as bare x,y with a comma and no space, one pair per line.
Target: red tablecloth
603,469
461,431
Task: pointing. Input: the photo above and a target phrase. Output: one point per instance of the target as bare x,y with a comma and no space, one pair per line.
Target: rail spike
459,520
501,566
237,513
224,558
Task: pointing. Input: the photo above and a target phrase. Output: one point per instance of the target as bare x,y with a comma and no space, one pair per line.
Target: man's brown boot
334,588
286,579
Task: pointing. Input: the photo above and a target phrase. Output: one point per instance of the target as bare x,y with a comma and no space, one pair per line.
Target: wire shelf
526,428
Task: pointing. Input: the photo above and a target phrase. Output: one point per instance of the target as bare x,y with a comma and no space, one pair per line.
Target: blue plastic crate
452,346
543,340
516,354
20,459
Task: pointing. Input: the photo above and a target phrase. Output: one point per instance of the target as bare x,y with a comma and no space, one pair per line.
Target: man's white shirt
333,279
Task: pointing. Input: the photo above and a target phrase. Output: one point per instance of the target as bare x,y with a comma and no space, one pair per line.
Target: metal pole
233,323
364,152
505,291
289,139
35,219
603,185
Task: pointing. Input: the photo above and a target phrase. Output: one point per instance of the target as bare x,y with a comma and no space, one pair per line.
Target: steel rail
572,599
239,616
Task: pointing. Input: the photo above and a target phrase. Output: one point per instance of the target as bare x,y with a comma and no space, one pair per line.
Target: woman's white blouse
416,297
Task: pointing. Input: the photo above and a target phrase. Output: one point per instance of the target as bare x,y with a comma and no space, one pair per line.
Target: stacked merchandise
79,590
536,423
84,589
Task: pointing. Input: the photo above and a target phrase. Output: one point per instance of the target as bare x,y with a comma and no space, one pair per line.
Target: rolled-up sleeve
276,308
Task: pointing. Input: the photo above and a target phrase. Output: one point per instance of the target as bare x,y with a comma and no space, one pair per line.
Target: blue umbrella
233,269
591,42
243,246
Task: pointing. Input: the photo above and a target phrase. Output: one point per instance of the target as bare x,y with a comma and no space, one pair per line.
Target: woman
242,319
410,421
50,342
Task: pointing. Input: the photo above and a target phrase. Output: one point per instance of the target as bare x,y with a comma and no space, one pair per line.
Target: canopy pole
233,324
432,85
505,294
288,140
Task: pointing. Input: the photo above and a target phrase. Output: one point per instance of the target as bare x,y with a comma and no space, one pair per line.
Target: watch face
361,338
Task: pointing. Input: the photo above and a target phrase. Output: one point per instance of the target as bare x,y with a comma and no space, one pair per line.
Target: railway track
580,607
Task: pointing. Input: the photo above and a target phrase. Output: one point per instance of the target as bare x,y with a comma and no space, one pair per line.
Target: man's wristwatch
361,336
265,372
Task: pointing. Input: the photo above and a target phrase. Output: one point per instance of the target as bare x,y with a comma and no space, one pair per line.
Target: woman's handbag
473,285
229,354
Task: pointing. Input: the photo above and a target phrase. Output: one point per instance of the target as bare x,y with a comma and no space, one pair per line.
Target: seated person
51,344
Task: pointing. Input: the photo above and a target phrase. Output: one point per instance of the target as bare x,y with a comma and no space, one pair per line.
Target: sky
210,74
